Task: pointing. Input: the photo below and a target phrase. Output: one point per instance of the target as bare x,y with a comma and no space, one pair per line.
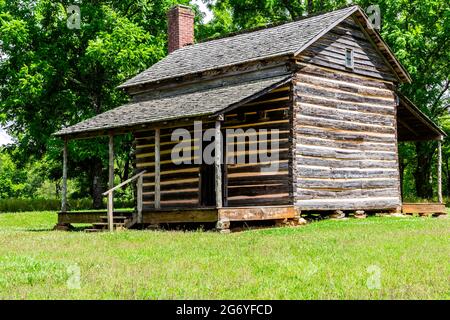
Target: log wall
329,51
245,184
179,183
345,128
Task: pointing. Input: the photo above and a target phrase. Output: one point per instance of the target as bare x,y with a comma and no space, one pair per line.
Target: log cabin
320,93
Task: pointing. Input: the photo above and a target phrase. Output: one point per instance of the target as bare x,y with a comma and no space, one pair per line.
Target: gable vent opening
349,60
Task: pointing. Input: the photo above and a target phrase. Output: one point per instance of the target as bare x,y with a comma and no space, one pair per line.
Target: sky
204,9
5,138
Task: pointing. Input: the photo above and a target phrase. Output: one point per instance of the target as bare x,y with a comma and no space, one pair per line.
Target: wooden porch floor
424,208
213,215
188,215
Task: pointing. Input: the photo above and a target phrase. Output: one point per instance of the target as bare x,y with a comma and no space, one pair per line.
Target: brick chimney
180,27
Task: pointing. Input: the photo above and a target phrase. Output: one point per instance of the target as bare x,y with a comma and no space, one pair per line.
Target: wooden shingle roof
280,40
194,104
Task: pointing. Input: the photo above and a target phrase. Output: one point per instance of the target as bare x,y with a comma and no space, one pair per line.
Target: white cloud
204,9
4,137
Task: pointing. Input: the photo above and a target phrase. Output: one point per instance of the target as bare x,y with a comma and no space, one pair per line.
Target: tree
52,76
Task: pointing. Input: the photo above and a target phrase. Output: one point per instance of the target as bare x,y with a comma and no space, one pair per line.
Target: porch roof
195,104
413,124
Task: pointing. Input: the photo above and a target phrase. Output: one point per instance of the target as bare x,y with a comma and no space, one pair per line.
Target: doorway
207,185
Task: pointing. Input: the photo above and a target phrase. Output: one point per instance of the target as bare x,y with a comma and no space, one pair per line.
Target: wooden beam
111,162
157,168
180,215
86,216
439,171
110,206
257,213
120,185
423,208
404,124
218,161
139,195
64,179
111,183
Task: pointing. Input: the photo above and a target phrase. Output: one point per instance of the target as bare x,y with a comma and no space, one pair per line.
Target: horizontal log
173,187
350,87
321,122
173,182
258,213
281,165
345,163
184,195
343,76
306,194
322,91
342,115
352,173
178,203
260,202
85,217
314,151
333,58
424,208
368,73
257,190
350,135
344,144
348,183
340,105
349,204
176,216
272,109
257,179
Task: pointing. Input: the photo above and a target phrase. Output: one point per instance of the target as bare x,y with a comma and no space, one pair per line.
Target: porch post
439,171
157,169
111,161
64,179
218,161
111,183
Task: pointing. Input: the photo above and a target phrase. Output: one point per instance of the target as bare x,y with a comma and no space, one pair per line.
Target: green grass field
375,258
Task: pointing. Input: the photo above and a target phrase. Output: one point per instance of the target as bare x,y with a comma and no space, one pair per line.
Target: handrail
120,185
110,194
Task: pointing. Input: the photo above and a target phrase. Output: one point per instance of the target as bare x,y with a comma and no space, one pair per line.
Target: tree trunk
422,172
402,167
310,7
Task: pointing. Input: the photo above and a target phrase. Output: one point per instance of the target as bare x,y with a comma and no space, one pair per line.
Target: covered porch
412,126
166,193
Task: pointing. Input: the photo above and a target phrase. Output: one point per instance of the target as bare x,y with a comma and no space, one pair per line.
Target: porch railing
110,194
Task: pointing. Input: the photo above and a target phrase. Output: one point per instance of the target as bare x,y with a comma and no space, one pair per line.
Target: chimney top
180,27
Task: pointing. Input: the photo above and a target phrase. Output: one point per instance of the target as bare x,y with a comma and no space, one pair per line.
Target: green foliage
12,181
52,76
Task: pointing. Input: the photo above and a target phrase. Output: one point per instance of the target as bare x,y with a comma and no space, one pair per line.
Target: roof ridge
270,25
283,39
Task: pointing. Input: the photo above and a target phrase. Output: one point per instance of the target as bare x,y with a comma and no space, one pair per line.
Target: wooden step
93,230
115,218
105,224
